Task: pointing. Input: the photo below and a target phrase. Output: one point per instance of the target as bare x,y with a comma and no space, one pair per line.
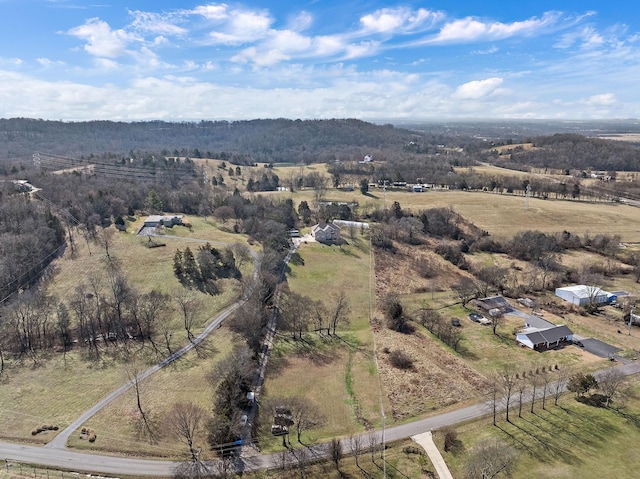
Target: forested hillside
242,142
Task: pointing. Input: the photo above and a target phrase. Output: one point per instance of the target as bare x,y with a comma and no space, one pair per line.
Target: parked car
455,322
243,420
478,318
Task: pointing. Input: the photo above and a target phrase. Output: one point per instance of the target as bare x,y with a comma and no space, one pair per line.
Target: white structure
582,295
351,224
326,233
541,339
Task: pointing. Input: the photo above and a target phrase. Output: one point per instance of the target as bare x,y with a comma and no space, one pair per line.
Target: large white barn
582,295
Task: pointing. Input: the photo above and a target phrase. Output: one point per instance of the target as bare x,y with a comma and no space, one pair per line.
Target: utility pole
384,189
528,194
384,449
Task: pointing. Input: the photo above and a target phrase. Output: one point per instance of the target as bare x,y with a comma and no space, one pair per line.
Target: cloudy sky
442,59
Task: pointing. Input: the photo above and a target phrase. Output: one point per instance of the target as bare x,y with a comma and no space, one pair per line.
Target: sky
77,60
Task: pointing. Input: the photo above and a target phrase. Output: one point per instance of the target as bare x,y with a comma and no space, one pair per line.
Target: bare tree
508,384
294,312
497,319
105,237
535,381
340,311
355,444
335,452
466,290
146,425
521,387
611,383
490,459
189,306
546,380
306,416
494,393
184,421
559,386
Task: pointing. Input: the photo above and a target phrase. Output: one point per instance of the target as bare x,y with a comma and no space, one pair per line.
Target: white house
582,295
541,339
326,233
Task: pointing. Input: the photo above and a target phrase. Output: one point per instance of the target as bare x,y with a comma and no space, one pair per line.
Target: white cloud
604,99
399,19
101,40
155,23
46,62
470,29
587,38
301,21
242,26
477,89
487,51
211,12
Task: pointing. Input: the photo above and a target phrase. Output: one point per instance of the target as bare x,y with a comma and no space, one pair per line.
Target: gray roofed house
326,233
542,339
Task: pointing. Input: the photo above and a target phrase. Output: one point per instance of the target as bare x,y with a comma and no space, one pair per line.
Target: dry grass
338,374
501,215
504,215
118,425
56,391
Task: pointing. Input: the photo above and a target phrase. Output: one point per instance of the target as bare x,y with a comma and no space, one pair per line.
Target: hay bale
34,432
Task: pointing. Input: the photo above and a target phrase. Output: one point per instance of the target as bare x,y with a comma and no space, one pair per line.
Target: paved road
426,441
60,441
64,458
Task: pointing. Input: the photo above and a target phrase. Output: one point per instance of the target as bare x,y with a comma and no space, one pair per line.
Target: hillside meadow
58,387
337,374
571,439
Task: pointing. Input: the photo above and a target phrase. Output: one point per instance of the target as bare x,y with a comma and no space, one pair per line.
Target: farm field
338,374
500,215
118,425
56,389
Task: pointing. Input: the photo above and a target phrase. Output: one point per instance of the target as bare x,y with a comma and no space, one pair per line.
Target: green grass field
338,374
568,440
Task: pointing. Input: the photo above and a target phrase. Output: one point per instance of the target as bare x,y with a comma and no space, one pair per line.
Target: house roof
325,227
550,335
494,302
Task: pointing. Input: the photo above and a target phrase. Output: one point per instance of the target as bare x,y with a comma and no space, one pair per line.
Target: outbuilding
583,295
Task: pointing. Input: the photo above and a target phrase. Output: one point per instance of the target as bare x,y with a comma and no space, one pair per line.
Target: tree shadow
349,252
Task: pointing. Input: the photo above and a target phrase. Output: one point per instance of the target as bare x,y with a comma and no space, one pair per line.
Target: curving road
130,466
60,441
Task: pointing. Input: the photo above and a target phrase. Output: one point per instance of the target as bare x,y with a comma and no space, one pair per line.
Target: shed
583,295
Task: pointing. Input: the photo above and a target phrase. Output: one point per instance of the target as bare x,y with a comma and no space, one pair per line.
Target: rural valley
279,298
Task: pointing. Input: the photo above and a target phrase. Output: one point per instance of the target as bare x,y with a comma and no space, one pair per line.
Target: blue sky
438,60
